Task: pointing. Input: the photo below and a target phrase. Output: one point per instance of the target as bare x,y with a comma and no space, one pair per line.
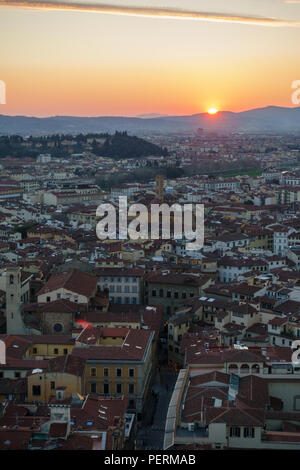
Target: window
57,327
36,390
249,432
93,371
119,388
176,295
105,372
58,296
168,293
65,352
119,372
131,373
55,351
106,388
131,388
131,404
52,385
48,299
161,292
34,351
153,292
93,387
235,432
17,375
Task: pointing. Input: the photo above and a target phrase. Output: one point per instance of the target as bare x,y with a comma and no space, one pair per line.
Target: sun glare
212,111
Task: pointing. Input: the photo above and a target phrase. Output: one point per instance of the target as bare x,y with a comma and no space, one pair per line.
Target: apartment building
170,290
118,362
125,285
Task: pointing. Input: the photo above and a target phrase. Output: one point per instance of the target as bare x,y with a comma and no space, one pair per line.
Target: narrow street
150,434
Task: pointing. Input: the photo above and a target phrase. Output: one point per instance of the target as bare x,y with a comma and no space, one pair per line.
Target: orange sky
85,63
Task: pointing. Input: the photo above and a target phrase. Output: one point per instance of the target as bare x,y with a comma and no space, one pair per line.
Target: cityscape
149,328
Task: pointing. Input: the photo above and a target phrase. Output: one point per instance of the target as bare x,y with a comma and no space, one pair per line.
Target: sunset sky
90,63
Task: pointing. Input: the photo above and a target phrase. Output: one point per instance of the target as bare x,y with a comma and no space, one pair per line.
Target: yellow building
50,346
63,377
118,362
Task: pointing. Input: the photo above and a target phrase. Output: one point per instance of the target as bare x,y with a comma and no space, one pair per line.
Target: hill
272,119
122,146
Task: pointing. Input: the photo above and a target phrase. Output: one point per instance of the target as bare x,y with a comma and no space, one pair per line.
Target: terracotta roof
74,281
14,440
60,306
58,429
68,364
236,416
132,349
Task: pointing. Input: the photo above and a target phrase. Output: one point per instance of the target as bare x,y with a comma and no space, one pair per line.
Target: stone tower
14,321
160,187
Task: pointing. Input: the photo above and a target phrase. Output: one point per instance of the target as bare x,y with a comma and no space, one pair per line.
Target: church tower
14,321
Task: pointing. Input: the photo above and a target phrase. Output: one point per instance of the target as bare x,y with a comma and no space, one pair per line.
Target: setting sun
212,111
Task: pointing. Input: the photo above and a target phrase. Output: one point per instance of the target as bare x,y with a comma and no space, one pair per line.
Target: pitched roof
74,281
235,416
60,306
132,349
68,364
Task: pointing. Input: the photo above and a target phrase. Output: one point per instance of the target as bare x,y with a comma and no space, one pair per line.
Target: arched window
11,279
244,369
255,369
233,368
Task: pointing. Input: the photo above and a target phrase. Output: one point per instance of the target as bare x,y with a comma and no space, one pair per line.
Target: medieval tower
14,321
160,187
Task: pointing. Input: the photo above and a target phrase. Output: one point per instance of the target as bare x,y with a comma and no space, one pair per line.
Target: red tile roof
75,281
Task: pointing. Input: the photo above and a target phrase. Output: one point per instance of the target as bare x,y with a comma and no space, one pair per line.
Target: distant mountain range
272,119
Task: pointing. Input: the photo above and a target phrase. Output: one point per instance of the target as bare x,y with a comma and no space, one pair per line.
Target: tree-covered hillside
122,146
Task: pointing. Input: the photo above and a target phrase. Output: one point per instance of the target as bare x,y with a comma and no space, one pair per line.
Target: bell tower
14,321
